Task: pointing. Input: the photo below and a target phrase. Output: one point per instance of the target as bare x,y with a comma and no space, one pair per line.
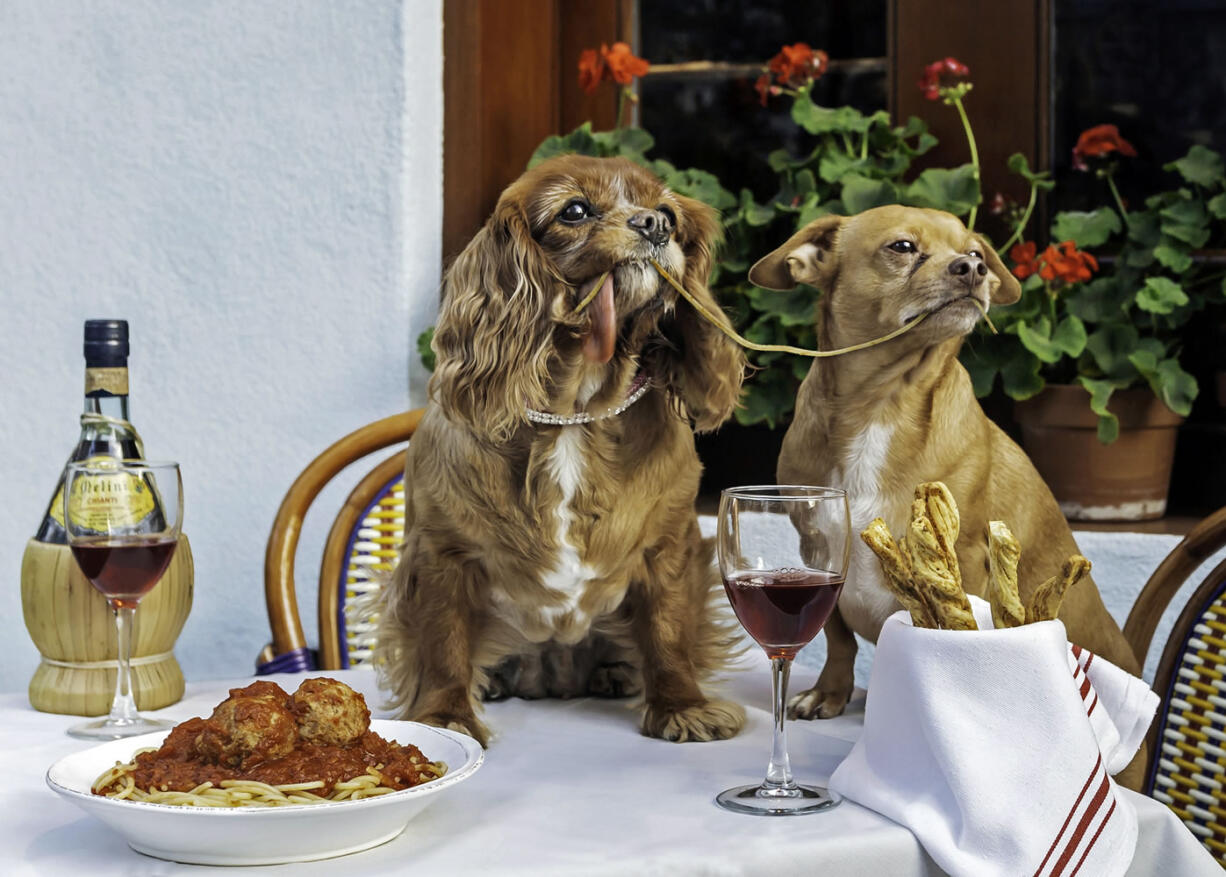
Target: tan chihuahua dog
879,421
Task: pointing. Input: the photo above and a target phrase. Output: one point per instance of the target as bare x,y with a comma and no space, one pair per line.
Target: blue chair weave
1189,770
370,555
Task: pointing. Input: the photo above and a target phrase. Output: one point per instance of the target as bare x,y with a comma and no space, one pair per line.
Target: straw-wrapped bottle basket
74,630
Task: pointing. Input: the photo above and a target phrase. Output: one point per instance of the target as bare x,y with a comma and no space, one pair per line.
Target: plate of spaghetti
270,777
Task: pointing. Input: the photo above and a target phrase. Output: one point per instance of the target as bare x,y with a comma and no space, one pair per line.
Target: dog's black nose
652,225
969,268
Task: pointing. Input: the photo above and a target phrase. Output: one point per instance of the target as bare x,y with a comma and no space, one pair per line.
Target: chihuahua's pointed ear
807,257
1008,290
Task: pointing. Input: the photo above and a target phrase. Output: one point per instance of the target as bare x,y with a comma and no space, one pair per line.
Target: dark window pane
1154,68
753,30
717,123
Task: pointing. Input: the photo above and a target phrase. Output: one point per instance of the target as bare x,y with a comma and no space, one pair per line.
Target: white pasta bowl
264,836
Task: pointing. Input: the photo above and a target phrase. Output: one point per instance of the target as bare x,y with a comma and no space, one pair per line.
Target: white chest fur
865,603
569,575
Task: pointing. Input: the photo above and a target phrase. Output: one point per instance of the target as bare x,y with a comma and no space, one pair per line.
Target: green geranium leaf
1019,377
1175,387
1036,337
781,160
953,189
795,307
836,164
632,140
1161,295
1100,395
1173,254
1103,298
425,351
578,141
1109,346
981,367
1020,165
755,214
823,120
1201,165
1186,220
701,185
768,397
812,209
1217,206
861,193
1086,229
1070,336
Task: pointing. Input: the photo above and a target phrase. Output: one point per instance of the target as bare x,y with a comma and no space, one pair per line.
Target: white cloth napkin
995,747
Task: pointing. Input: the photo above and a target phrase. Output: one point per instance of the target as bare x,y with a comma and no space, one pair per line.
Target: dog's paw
817,704
614,680
713,720
469,725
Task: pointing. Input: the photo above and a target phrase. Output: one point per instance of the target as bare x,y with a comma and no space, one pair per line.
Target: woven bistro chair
1187,741
362,545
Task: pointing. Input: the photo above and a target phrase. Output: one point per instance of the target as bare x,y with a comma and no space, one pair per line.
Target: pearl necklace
551,419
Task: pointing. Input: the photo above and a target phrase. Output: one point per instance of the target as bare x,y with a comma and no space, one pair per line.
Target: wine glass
783,552
122,518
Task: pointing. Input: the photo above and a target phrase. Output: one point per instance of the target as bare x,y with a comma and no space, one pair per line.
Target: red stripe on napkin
1091,811
1069,818
1094,839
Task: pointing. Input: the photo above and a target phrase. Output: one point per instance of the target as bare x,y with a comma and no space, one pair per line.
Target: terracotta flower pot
1123,481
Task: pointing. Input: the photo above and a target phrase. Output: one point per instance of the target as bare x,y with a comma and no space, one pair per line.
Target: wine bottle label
108,380
110,501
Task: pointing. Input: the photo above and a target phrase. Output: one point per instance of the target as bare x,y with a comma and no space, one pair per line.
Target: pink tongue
598,344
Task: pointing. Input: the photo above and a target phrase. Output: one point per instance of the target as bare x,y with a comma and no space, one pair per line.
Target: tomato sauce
178,767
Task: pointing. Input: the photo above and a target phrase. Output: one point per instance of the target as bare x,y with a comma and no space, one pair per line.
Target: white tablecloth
568,787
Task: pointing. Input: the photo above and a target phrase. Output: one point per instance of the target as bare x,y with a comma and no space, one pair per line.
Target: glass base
108,729
765,801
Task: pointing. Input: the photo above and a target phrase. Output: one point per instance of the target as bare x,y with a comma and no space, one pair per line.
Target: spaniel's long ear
705,369
493,339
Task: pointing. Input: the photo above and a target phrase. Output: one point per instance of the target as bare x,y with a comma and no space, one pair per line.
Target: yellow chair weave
1190,769
373,549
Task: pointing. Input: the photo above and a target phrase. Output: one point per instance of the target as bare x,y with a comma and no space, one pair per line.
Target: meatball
329,712
253,725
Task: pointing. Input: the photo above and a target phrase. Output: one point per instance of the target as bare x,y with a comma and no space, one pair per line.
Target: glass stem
779,771
123,707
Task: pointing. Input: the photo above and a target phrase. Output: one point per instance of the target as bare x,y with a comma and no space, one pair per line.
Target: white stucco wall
256,187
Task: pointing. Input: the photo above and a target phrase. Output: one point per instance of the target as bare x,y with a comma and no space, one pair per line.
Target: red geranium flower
622,64
1067,263
1098,141
591,70
1026,263
930,83
618,64
797,64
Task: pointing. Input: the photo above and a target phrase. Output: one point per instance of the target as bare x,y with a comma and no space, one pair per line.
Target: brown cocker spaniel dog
558,559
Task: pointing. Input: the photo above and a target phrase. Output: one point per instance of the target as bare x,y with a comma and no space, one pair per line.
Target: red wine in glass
124,570
783,609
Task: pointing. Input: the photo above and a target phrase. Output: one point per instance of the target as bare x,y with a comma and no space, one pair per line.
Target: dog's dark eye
668,211
902,247
976,254
575,211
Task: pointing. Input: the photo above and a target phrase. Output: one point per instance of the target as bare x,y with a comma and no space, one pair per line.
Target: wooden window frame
509,81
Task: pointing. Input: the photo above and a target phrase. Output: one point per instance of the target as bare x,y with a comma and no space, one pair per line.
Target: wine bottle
106,431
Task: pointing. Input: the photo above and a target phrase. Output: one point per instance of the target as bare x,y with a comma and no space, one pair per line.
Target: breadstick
1045,604
943,512
931,574
1003,554
897,568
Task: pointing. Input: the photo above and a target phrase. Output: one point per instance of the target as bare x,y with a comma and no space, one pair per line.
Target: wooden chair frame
1202,541
279,589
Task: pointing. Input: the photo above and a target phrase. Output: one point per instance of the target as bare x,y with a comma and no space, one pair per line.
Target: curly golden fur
546,560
